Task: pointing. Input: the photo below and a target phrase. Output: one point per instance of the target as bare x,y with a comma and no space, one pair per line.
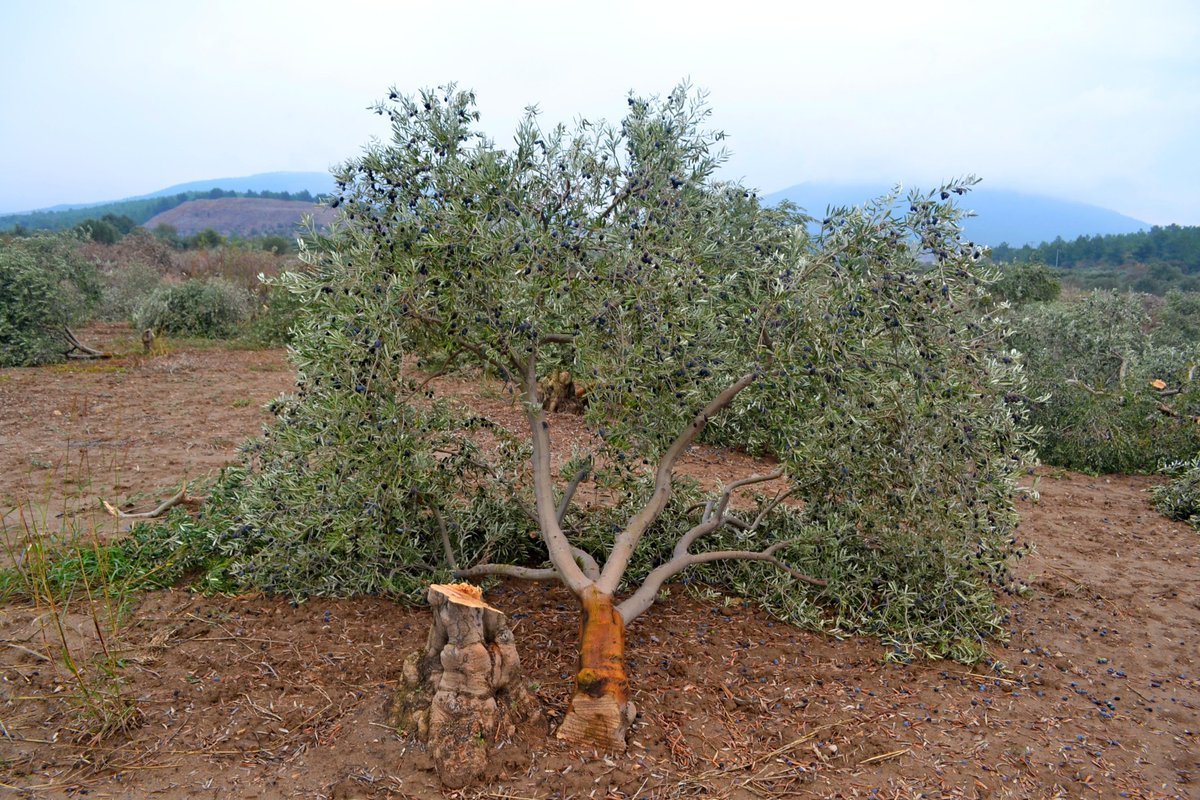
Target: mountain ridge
1003,215
316,183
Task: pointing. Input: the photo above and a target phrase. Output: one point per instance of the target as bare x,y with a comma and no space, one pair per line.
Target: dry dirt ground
243,697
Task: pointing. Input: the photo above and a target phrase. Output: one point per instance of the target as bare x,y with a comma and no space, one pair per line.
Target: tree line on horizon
1154,261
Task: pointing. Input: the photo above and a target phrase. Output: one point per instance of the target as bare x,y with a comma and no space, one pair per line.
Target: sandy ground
255,697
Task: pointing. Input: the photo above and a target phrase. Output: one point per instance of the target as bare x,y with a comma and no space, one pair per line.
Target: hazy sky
1091,101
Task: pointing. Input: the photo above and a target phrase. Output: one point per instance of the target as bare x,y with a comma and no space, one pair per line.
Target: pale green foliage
45,285
1094,363
1026,282
213,307
611,252
1179,321
126,288
1179,498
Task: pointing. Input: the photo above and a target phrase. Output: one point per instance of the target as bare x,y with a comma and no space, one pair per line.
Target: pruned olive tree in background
1115,393
46,286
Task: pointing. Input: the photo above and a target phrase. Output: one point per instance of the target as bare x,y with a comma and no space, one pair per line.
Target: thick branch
637,603
508,571
557,546
557,338
586,563
84,350
628,539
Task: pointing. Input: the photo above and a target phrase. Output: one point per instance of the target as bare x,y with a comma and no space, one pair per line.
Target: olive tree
855,355
46,285
1115,394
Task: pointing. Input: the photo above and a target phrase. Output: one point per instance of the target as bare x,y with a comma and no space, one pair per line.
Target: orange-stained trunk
600,712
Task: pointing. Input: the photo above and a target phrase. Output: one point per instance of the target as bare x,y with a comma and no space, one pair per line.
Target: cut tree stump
562,393
463,695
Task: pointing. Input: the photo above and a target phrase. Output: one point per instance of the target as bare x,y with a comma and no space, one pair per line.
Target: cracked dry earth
255,697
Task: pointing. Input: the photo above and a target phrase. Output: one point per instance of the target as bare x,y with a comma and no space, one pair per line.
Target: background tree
1115,395
45,286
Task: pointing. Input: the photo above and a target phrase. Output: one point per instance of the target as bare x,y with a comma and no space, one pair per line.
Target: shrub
212,308
45,286
1180,497
276,315
1026,283
1179,319
125,288
239,264
1109,398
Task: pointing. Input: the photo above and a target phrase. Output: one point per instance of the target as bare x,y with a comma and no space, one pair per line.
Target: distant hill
1003,215
240,216
315,183
142,208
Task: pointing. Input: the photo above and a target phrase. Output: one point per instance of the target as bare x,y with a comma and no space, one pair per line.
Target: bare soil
256,697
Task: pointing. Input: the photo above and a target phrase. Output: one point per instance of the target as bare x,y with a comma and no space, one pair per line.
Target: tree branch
583,558
569,492
586,563
509,571
472,347
451,561
617,200
166,505
1085,387
84,350
637,603
628,539
715,514
557,546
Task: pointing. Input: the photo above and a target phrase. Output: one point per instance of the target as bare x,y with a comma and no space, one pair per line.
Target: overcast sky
1091,101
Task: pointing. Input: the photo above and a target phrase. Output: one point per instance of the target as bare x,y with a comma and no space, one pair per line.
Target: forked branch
637,603
628,539
83,350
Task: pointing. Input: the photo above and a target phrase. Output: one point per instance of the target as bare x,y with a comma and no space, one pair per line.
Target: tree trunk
600,712
463,693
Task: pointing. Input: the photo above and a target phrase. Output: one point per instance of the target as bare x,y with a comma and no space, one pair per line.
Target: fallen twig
27,651
158,511
884,756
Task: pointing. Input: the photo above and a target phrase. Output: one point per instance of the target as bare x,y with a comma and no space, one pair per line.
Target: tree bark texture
462,695
600,712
